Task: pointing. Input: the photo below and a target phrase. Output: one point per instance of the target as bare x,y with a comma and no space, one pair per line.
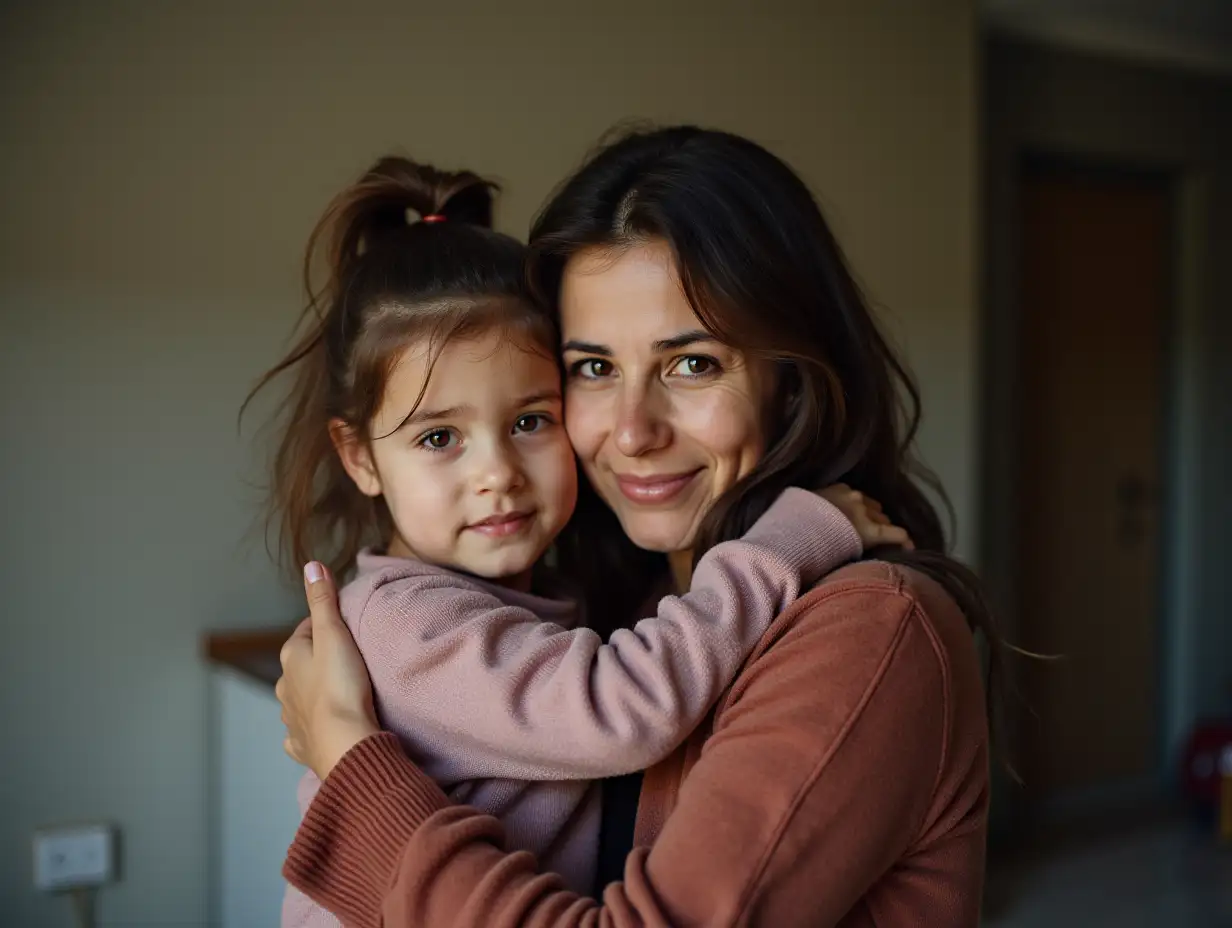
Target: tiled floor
1170,875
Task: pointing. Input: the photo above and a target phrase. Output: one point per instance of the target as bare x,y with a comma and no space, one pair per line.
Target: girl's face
663,417
481,477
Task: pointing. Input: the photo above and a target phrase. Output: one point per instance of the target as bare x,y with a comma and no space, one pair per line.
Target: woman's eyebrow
683,340
673,343
587,348
543,396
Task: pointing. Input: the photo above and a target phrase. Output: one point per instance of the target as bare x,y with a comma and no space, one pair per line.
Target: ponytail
392,196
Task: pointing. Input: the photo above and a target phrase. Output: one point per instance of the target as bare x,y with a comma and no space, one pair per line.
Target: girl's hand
325,690
872,525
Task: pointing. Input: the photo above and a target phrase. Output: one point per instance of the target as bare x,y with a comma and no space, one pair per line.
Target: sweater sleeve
820,774
483,689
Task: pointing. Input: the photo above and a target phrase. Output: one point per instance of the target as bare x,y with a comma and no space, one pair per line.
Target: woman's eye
591,368
437,440
530,423
695,365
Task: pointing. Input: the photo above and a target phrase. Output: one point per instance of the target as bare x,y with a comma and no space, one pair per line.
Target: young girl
426,420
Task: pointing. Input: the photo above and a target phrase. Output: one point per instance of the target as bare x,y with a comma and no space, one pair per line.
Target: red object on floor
1207,758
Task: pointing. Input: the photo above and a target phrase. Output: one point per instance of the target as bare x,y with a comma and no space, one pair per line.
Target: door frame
1000,401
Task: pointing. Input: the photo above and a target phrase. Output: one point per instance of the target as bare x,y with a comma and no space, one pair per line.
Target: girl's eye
531,422
437,440
591,368
695,365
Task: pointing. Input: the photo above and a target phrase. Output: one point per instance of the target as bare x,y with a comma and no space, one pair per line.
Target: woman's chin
659,532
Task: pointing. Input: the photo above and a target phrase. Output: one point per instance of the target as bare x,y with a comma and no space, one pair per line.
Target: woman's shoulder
875,661
873,626
861,720
873,600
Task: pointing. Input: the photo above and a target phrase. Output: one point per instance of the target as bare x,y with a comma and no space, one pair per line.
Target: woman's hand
872,525
325,690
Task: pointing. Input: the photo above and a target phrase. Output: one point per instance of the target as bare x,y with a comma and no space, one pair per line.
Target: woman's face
664,418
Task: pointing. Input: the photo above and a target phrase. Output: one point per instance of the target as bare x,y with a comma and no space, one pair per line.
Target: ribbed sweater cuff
807,531
355,831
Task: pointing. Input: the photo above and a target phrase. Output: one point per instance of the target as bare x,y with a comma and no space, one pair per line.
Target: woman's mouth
502,525
655,489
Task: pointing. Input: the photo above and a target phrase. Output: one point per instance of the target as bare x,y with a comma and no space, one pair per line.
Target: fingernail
313,572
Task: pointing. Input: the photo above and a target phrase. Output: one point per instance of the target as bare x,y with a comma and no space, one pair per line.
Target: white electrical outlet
73,856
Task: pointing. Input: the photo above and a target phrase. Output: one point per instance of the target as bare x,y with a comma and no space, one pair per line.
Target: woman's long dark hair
764,274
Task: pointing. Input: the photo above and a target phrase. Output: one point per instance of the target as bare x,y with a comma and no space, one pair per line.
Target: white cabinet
255,813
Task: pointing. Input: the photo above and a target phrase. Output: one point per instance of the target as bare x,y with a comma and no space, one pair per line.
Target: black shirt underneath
620,798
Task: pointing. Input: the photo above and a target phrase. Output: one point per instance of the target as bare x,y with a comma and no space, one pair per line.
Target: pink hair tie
434,217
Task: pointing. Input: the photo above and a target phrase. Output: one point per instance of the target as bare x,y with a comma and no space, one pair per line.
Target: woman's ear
784,393
356,457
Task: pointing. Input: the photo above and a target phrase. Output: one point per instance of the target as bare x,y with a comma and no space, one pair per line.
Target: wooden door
1095,264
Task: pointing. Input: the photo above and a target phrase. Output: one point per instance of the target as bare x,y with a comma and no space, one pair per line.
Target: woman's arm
519,698
837,750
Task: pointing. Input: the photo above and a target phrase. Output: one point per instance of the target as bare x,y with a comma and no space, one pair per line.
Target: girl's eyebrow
427,415
434,415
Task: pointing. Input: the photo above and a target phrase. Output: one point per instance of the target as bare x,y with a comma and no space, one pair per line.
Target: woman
717,351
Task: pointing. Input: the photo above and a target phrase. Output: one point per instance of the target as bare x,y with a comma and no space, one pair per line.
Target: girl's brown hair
409,256
764,274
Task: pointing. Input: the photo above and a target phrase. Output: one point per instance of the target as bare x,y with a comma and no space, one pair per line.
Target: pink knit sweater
515,712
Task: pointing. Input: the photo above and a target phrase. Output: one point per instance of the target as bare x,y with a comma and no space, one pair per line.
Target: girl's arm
489,690
855,742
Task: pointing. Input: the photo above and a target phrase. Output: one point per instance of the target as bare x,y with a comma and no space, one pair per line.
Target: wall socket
73,857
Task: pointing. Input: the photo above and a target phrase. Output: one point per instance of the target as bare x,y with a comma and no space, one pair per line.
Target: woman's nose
640,426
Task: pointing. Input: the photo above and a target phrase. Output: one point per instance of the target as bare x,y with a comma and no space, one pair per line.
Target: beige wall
161,167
